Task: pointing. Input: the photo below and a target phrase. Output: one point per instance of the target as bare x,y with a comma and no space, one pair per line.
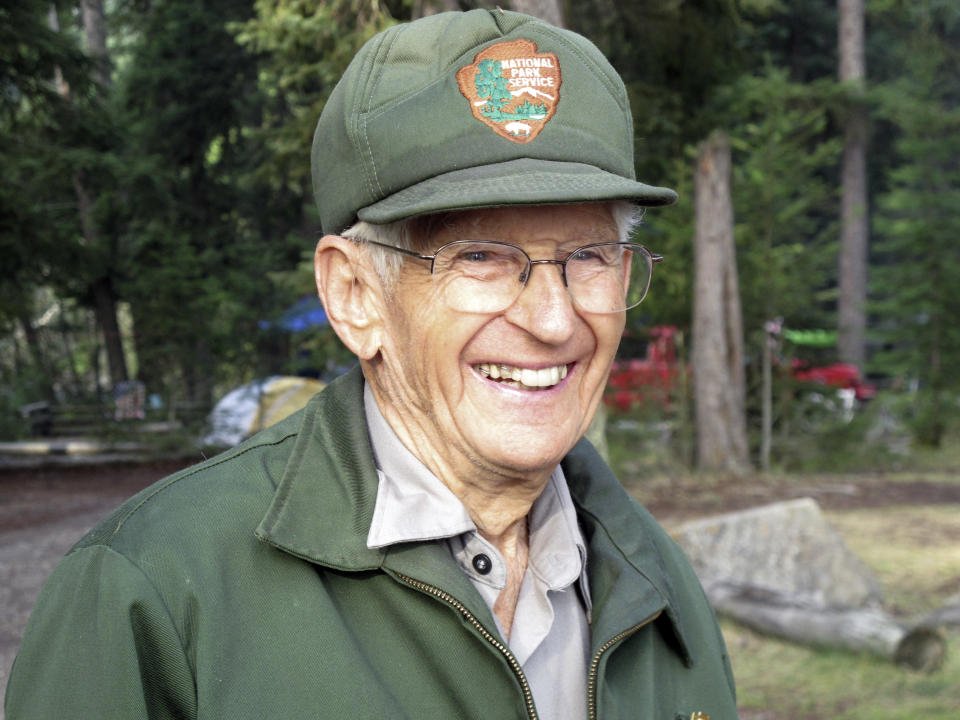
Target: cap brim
524,181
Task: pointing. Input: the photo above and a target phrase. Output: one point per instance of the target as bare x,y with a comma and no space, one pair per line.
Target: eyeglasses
480,276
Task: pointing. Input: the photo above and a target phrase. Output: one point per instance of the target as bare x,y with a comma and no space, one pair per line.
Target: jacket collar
628,580
323,507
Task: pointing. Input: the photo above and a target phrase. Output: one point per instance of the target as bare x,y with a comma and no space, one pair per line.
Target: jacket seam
189,472
159,596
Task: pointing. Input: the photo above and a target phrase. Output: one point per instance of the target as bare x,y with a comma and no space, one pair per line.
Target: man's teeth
542,377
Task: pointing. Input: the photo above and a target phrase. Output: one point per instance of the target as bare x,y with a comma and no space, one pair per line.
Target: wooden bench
88,419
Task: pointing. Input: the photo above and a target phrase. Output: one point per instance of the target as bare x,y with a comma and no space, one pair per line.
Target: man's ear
351,293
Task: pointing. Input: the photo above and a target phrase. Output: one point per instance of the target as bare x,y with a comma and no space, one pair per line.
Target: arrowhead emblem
512,88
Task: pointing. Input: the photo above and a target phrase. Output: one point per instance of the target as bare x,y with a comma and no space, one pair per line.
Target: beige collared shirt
550,636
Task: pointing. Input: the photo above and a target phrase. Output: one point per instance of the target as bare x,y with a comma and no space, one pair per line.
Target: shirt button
482,564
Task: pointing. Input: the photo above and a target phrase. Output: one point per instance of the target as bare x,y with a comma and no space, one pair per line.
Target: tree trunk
766,394
718,374
77,389
36,353
947,615
548,10
104,298
105,309
95,30
858,629
53,20
854,232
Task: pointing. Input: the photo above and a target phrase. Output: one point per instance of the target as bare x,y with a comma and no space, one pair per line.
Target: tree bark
858,629
95,30
104,298
766,412
948,614
36,353
548,10
105,309
854,232
77,389
718,373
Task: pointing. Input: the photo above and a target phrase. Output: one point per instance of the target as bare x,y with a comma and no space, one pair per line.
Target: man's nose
545,307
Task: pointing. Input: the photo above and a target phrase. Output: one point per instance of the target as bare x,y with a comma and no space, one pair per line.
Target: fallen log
947,615
864,629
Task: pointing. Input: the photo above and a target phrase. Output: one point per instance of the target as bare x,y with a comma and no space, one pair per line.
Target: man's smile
523,378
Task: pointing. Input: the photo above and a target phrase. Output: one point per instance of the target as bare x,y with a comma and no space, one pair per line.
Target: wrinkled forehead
581,224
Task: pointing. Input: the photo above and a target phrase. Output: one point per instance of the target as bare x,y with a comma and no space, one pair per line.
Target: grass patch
777,680
913,549
915,552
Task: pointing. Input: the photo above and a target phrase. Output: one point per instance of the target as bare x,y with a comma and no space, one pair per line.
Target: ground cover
904,525
915,552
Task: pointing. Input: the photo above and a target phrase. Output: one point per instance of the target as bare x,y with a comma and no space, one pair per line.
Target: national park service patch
512,88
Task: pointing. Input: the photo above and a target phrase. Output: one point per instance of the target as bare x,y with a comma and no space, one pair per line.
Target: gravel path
43,512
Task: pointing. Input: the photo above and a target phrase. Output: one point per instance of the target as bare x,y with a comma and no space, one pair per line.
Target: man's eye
477,256
586,256
599,255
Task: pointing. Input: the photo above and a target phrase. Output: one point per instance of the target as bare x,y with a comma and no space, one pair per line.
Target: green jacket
243,588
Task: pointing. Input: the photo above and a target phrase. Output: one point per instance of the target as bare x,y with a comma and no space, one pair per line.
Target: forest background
156,222
156,214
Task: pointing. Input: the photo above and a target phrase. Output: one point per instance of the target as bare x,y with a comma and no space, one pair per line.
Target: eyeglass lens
484,277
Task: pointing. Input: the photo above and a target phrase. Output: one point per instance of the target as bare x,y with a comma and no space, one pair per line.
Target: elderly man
429,537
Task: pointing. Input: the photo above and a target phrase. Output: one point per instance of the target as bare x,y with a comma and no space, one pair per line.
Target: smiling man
430,537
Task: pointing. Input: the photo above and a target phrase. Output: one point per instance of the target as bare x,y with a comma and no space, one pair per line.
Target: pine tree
918,297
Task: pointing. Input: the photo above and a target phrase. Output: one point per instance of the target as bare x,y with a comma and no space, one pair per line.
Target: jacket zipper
595,664
504,650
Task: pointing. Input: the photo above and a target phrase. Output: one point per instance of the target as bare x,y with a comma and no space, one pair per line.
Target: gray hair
626,215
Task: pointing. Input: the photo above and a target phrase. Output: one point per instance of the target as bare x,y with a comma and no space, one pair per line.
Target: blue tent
306,313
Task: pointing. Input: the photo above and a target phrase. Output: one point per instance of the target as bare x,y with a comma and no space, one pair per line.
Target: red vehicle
839,375
650,379
653,378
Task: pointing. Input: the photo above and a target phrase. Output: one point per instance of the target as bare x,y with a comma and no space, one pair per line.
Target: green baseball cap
469,110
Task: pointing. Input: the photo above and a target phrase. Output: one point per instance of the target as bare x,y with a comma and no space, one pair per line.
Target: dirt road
43,513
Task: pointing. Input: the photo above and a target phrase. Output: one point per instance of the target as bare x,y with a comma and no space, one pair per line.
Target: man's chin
526,453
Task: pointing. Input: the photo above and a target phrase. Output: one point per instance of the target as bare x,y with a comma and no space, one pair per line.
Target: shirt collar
325,494
413,505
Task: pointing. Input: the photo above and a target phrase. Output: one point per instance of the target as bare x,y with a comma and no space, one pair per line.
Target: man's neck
514,546
498,504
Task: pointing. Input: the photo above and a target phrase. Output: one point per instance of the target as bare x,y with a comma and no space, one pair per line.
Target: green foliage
672,57
31,53
38,131
491,84
917,298
784,208
930,414
303,46
669,232
797,36
196,164
208,226
814,433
